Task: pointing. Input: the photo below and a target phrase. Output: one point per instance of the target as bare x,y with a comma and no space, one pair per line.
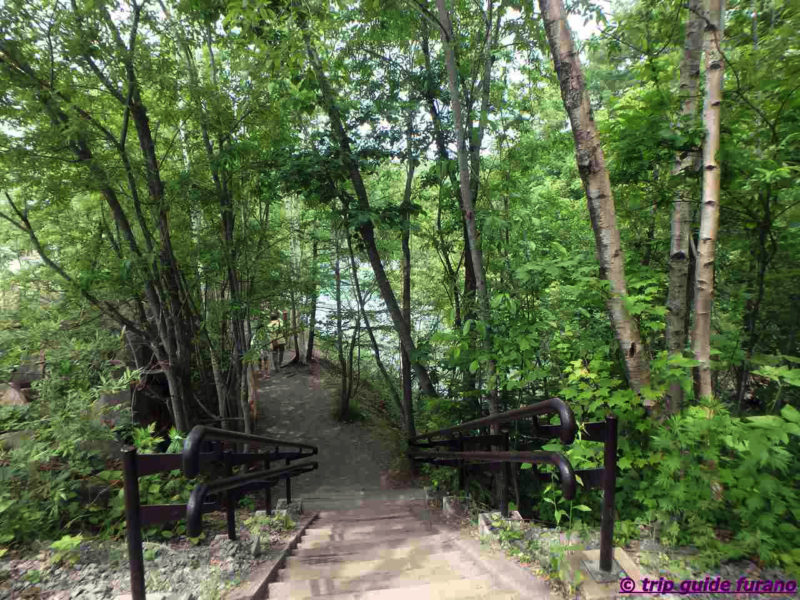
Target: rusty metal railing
224,492
449,447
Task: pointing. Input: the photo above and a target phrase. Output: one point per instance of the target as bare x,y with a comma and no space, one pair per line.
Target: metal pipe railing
425,448
565,471
196,505
567,429
226,490
194,442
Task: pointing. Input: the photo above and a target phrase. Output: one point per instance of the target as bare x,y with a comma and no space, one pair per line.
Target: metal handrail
254,480
425,448
566,473
199,434
226,491
567,429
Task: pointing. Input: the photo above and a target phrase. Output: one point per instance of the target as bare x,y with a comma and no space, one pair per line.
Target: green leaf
582,508
474,366
790,413
525,466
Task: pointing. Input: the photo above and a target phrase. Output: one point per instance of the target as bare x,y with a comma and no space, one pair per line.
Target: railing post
268,492
288,486
462,473
230,505
505,476
134,522
609,487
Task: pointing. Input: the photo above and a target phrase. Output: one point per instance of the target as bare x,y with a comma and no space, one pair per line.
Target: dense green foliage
251,204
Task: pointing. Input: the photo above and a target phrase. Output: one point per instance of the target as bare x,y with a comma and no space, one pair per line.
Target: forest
460,206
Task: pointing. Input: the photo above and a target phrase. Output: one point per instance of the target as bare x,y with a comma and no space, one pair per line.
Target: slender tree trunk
682,204
763,258
390,383
596,183
469,186
293,299
351,371
219,385
464,307
408,401
244,398
344,397
312,317
709,212
466,194
366,229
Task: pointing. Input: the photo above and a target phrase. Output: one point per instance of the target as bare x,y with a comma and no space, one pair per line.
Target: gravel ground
539,544
176,567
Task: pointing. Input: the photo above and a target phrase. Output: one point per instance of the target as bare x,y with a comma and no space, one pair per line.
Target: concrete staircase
388,549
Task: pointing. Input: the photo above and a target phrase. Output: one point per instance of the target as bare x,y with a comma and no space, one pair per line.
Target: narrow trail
294,405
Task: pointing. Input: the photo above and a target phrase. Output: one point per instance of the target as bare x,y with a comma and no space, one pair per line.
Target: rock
160,596
453,506
12,440
255,547
260,513
485,526
30,369
433,495
293,510
12,395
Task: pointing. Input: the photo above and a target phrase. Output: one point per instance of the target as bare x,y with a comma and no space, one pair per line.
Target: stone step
337,545
362,568
310,588
324,555
458,589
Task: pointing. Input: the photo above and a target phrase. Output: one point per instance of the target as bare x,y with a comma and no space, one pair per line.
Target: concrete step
365,512
365,531
318,548
368,522
457,589
396,537
335,499
361,568
309,588
324,555
364,516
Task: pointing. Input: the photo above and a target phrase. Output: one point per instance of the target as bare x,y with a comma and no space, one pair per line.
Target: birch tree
686,160
709,212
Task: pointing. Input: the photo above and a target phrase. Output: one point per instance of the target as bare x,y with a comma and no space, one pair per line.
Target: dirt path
293,405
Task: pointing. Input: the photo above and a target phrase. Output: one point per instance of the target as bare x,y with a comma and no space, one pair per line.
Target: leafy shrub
60,480
66,549
729,485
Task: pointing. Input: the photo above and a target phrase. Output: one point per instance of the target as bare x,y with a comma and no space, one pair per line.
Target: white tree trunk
709,214
687,160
